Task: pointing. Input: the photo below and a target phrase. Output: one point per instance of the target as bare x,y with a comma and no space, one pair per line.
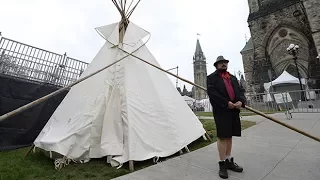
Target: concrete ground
266,151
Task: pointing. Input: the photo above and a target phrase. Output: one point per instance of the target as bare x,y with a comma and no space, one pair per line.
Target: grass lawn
13,165
206,114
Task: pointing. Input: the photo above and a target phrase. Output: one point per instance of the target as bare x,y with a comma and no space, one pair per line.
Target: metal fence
289,102
299,101
257,101
31,63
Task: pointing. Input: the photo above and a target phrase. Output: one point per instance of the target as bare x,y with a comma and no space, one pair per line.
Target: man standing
226,97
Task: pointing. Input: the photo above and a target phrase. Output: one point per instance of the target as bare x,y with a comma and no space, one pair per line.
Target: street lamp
177,74
293,50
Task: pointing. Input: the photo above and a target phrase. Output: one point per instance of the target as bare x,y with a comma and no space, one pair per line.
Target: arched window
278,43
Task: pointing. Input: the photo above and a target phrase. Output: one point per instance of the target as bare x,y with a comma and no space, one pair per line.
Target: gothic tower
274,25
200,72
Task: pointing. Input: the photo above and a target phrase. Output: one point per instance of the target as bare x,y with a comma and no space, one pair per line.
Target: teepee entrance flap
110,33
133,35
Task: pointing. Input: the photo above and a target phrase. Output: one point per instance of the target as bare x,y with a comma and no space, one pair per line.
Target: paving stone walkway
267,151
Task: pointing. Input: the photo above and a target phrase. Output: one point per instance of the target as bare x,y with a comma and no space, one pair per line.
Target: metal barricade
261,102
306,101
31,63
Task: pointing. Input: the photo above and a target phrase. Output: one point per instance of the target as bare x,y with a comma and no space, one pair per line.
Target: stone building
200,73
243,83
185,92
274,25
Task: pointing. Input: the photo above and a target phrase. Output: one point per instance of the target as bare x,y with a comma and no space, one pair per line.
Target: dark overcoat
219,98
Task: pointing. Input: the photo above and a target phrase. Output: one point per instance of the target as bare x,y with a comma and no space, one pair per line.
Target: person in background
226,97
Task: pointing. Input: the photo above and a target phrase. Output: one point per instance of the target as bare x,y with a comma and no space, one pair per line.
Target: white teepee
131,111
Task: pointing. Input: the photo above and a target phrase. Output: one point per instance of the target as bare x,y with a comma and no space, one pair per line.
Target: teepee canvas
130,111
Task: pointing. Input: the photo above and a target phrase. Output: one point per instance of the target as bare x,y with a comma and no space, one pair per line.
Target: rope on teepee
120,166
156,159
61,162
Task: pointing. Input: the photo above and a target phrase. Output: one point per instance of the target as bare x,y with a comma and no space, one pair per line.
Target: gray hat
220,59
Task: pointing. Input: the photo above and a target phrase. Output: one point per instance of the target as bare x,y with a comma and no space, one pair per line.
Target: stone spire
198,48
200,72
198,55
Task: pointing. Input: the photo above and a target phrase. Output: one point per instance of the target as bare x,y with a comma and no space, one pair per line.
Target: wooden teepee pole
247,107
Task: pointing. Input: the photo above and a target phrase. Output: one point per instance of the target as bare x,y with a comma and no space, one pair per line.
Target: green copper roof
198,48
248,46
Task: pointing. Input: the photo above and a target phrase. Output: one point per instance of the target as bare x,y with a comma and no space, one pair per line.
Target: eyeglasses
223,62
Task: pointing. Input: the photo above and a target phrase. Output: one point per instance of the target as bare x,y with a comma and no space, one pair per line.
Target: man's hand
231,105
238,105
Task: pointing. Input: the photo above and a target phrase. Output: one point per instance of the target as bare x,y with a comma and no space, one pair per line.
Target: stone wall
200,78
253,5
313,13
247,58
263,28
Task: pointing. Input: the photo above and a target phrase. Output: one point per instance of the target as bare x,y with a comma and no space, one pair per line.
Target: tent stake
187,149
204,137
131,165
208,136
28,152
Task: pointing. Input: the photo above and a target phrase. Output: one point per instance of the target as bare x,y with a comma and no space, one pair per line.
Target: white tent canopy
284,78
205,103
130,111
189,100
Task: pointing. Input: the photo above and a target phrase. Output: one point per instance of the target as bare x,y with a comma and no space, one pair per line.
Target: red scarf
227,82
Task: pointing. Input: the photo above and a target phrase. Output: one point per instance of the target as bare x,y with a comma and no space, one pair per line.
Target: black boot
233,166
223,170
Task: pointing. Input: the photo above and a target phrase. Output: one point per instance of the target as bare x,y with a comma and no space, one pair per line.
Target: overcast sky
68,26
